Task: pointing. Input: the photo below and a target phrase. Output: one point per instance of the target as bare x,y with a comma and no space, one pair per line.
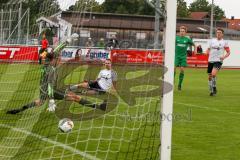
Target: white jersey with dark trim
105,78
217,48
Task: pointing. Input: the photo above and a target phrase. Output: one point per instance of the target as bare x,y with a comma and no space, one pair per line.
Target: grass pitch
204,127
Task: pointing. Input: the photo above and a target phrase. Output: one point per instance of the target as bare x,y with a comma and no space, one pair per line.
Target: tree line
137,7
140,7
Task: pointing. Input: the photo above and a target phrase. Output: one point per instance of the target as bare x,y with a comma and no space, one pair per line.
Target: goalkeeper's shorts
59,95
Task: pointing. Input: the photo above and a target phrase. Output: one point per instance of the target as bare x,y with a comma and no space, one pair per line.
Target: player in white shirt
216,51
105,81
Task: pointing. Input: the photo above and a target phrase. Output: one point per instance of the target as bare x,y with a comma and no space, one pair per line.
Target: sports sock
181,76
87,103
214,81
210,86
27,106
15,111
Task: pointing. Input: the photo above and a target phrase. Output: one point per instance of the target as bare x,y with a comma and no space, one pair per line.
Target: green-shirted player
182,43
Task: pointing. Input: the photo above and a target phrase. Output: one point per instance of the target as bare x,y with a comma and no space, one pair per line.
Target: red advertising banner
30,53
198,59
145,56
18,53
136,56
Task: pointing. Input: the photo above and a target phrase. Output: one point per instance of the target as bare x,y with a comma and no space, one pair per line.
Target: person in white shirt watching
216,51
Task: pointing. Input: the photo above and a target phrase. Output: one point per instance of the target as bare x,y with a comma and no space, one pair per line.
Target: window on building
140,36
84,33
111,34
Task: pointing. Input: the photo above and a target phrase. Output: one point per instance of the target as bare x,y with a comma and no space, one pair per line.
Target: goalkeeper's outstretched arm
63,44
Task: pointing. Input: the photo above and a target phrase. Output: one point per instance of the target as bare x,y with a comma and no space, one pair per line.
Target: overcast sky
231,7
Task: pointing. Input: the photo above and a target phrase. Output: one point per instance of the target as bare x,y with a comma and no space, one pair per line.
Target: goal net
129,128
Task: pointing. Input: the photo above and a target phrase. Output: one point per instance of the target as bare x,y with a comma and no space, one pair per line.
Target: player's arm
51,79
59,48
99,76
113,89
194,46
227,49
114,82
50,87
114,85
63,44
209,47
208,51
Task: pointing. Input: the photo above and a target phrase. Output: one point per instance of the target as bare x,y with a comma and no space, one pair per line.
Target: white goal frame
167,101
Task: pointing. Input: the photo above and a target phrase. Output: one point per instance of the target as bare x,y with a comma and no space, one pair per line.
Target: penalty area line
64,146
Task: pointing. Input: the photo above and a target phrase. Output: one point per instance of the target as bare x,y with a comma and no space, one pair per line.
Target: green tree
121,9
145,9
200,6
218,13
86,6
40,8
140,7
121,6
182,9
204,6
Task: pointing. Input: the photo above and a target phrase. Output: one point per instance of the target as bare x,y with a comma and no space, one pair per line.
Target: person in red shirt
44,46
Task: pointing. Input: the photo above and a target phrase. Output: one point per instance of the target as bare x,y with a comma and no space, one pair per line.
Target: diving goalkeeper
48,88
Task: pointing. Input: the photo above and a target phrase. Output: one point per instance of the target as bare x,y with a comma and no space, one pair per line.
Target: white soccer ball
65,125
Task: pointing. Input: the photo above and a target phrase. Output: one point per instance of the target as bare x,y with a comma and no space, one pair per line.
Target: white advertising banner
85,54
233,61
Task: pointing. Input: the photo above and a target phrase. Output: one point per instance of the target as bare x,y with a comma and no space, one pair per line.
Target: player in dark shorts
216,50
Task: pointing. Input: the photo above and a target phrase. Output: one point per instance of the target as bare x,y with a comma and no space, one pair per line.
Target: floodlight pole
19,19
158,13
28,21
1,27
167,100
211,25
10,22
157,25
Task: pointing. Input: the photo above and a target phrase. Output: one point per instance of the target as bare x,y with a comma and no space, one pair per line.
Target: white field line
207,108
3,141
64,146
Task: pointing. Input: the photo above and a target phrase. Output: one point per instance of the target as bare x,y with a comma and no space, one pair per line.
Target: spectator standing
199,49
101,43
89,43
44,46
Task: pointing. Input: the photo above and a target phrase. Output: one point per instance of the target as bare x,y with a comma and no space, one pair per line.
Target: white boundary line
207,108
64,146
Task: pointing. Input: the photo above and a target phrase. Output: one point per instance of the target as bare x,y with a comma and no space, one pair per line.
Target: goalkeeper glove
51,105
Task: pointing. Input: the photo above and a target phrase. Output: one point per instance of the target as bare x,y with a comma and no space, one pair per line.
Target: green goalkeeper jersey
182,43
48,73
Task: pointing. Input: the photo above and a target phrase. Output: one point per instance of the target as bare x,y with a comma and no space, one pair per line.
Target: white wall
233,60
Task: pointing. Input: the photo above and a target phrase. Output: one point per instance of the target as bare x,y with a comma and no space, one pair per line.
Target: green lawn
204,127
213,132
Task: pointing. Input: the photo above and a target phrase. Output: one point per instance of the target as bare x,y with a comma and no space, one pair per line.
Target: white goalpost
167,101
